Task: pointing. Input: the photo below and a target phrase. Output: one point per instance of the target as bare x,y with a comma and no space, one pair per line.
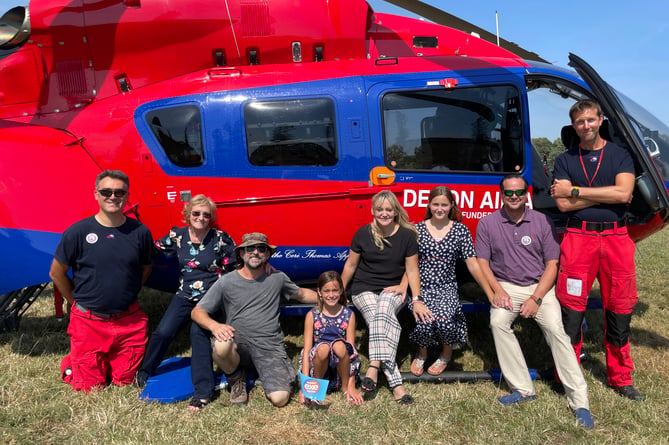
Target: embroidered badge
526,240
92,238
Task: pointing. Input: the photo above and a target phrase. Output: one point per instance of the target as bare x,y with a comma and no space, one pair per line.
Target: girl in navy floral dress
329,336
204,254
442,240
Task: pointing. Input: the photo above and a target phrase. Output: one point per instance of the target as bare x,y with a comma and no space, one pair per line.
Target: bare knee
279,398
339,348
323,352
225,355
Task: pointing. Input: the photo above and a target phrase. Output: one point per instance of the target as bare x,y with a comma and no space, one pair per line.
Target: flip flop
438,366
417,366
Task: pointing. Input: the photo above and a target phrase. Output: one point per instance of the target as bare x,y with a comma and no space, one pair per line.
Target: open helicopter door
650,192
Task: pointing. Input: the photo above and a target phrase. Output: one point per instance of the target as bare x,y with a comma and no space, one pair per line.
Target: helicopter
284,113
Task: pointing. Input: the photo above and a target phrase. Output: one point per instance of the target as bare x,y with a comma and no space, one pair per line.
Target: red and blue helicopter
289,114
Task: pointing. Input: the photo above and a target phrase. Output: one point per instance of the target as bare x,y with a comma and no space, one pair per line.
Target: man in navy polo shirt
110,257
518,252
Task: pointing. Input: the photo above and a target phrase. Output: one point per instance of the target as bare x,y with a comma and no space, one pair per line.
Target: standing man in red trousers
593,185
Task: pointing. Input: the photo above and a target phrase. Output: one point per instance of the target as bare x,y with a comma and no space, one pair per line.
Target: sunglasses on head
206,215
118,193
259,247
519,192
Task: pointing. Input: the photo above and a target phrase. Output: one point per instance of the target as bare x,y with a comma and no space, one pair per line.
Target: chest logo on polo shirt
526,240
92,238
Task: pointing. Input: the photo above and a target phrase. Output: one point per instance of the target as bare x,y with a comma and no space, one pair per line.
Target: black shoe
630,392
140,379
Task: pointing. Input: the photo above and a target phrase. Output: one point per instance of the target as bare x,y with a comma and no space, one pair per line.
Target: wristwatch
417,298
536,299
574,192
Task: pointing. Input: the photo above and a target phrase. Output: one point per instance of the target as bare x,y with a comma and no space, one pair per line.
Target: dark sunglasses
259,247
206,215
519,192
118,193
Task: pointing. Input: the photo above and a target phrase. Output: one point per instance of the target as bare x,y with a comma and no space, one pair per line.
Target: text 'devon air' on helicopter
289,114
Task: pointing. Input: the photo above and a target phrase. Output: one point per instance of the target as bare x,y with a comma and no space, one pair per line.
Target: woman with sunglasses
383,253
442,240
204,254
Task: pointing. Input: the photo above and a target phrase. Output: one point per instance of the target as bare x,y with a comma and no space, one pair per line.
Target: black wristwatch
537,300
574,192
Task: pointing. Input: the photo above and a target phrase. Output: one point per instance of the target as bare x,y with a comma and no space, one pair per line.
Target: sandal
368,386
197,404
417,366
438,366
405,400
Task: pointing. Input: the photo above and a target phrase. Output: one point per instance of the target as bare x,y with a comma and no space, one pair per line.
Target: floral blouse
200,264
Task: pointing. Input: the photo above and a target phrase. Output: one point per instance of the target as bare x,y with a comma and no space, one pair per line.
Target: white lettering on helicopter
465,200
310,254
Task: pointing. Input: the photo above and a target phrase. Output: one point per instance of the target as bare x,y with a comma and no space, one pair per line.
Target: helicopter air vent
71,77
255,18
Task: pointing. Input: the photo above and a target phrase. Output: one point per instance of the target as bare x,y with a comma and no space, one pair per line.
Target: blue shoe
584,418
514,398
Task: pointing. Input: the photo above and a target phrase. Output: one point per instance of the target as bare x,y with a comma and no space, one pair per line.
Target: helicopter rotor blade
444,18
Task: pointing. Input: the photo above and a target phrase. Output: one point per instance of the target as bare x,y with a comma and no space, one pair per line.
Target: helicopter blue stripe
26,258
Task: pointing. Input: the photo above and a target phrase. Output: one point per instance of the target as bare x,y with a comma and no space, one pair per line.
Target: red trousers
609,257
104,349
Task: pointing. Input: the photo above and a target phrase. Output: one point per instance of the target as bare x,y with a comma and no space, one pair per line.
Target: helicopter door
649,184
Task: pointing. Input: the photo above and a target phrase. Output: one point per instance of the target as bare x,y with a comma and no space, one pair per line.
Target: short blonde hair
199,200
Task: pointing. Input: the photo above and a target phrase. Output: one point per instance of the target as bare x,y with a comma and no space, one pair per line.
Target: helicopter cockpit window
297,132
178,130
474,129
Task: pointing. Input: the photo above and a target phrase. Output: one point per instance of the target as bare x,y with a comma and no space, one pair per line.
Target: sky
626,42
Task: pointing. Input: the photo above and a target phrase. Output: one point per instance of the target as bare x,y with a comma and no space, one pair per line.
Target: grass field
36,407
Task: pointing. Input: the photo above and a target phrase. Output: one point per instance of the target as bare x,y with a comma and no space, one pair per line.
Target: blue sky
626,42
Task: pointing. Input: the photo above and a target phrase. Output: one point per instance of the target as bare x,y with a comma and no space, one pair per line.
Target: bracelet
418,301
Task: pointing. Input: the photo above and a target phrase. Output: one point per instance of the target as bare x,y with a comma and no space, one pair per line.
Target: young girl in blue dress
329,337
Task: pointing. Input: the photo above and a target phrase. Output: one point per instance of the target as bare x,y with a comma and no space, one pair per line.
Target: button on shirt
517,252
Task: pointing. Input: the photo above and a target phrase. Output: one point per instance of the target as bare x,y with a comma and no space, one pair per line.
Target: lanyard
580,156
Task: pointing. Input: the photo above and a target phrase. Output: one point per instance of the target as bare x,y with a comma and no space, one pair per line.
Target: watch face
574,192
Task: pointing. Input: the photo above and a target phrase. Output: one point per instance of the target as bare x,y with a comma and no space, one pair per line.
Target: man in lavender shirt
518,252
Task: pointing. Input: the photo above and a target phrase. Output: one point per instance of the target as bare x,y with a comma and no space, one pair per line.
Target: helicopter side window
466,129
297,132
178,130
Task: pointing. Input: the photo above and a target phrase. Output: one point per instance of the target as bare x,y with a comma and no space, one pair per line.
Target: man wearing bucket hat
251,335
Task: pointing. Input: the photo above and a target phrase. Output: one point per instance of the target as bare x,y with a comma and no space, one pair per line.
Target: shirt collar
506,219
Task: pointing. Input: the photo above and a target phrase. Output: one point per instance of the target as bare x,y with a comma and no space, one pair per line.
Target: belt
592,226
101,314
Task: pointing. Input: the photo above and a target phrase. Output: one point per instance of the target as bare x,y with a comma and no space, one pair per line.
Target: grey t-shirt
251,306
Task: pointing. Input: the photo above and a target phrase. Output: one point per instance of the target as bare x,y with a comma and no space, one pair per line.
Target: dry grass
35,407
